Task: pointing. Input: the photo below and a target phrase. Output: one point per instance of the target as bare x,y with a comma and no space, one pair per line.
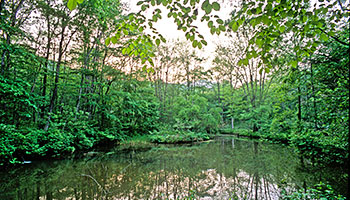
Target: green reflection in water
221,169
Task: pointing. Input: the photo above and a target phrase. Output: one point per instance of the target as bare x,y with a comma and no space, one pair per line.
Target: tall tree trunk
299,104
58,65
2,3
103,109
314,96
48,48
299,96
231,83
219,99
6,54
188,77
166,86
85,67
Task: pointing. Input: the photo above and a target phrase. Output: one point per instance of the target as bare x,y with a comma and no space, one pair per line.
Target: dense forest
76,75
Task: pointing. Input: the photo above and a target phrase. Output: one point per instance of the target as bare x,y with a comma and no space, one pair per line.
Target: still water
224,168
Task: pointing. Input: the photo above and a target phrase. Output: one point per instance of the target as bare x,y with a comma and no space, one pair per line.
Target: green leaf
204,42
205,4
114,40
222,28
304,18
282,28
200,46
259,42
294,63
254,54
319,24
241,20
249,55
208,9
324,37
210,24
212,31
107,41
245,62
117,35
72,4
150,61
141,29
219,21
265,20
216,6
260,71
157,42
331,33
124,51
125,32
164,2
234,26
194,44
191,38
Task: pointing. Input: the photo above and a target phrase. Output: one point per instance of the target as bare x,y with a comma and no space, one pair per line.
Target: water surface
224,168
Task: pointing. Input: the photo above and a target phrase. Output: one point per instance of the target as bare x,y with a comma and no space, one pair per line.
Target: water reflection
221,169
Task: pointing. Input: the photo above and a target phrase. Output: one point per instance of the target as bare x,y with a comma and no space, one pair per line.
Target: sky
168,28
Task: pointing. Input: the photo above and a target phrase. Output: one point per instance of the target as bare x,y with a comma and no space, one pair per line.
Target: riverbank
147,140
323,149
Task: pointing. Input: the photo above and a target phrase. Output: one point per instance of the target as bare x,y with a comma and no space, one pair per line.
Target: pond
219,169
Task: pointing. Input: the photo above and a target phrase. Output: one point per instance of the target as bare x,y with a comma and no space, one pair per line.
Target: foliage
15,102
319,191
168,135
193,113
51,107
273,19
306,107
8,143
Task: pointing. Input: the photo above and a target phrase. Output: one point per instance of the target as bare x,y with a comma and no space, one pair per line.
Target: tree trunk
6,53
85,66
2,3
48,47
232,123
219,99
58,65
314,97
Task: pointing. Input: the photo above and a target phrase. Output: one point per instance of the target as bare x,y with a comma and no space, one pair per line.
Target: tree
274,19
14,15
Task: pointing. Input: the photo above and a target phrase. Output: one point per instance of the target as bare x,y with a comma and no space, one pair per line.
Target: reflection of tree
220,169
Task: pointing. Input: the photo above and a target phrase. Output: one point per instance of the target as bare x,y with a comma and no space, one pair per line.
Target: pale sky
168,28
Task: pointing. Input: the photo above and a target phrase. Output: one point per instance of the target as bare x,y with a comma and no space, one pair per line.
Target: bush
194,114
172,136
320,191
